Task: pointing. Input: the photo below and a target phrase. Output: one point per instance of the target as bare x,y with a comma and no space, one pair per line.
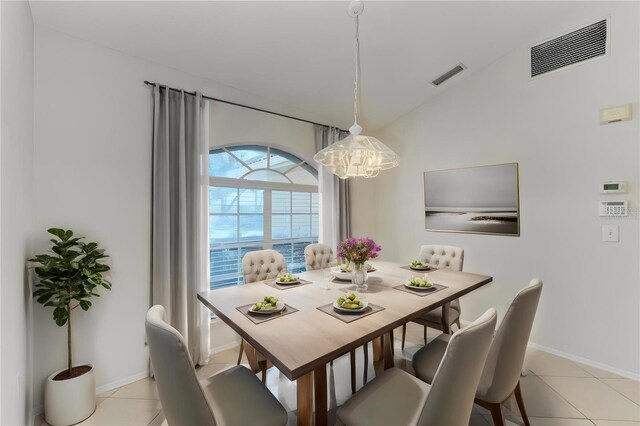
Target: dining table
301,343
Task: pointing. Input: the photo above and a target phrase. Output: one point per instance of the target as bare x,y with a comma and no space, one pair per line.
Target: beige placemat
260,318
370,309
434,289
272,283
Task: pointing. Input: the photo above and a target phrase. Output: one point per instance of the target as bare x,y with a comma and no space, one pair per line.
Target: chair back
262,265
318,256
183,400
506,356
454,385
442,256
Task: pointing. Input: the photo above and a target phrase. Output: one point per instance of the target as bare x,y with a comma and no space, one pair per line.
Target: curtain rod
242,106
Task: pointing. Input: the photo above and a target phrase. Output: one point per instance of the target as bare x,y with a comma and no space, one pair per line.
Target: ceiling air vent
447,75
572,48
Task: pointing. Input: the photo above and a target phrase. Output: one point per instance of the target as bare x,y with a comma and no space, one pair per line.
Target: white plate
346,276
279,307
350,311
288,282
420,268
413,287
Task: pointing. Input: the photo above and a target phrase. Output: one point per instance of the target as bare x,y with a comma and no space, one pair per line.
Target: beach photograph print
473,199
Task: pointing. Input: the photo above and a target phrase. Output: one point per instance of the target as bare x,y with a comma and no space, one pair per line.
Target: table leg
378,355
304,391
446,324
388,350
382,353
252,358
320,385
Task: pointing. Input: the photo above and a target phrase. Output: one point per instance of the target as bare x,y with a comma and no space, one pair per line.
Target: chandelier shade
357,156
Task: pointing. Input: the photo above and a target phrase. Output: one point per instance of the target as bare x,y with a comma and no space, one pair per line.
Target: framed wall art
481,200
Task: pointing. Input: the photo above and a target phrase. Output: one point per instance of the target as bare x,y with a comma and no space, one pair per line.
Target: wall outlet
611,233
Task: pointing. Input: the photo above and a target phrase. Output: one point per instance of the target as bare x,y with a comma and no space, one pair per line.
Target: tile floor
557,392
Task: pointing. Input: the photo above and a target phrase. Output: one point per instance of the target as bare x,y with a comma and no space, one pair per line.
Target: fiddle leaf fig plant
69,277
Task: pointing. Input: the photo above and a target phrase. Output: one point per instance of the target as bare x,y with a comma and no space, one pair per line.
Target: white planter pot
67,402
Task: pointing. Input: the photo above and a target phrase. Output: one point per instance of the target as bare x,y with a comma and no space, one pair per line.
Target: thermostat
613,208
613,187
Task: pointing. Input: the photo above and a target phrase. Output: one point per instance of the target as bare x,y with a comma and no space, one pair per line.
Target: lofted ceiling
300,53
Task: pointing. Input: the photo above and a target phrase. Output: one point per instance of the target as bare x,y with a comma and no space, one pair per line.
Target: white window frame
267,241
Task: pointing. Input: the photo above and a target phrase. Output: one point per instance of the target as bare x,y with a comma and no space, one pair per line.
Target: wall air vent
577,46
447,75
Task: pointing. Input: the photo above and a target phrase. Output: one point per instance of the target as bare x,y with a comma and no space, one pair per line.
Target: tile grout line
592,377
617,391
560,395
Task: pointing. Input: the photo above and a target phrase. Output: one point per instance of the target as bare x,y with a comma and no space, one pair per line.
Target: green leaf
60,315
85,305
44,298
57,232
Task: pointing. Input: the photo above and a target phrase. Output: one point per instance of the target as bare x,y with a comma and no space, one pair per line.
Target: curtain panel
335,216
180,243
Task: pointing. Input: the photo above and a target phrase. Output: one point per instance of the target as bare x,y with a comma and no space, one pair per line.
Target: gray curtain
344,209
180,267
334,193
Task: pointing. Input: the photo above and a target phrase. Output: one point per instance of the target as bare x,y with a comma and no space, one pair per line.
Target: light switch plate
611,233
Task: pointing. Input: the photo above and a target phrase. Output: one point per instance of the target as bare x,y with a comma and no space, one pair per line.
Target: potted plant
68,278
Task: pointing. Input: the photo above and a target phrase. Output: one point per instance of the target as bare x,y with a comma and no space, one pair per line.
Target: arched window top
260,163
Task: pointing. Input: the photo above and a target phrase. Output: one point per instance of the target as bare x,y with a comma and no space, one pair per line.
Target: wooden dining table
301,344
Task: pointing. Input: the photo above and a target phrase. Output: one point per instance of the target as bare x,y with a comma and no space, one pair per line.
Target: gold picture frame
473,200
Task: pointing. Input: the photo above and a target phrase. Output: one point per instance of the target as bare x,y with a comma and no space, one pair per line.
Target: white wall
231,125
590,305
16,179
93,174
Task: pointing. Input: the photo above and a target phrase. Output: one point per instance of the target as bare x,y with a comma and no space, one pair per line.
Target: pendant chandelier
357,155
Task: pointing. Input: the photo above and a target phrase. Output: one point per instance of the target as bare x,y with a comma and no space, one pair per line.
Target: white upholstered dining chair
319,256
257,266
501,374
213,401
397,398
440,257
262,265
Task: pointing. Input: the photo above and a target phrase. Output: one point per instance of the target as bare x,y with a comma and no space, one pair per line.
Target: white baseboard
230,345
576,358
122,382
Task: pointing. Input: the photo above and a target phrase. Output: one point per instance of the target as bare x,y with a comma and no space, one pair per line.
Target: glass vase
359,275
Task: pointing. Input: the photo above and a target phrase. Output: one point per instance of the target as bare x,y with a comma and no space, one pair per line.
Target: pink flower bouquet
358,250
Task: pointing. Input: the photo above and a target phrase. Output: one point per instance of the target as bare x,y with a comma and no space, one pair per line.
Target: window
259,198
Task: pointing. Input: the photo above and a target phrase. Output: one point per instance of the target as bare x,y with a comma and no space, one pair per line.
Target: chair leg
365,348
352,356
425,334
496,414
241,350
404,334
458,324
263,369
520,401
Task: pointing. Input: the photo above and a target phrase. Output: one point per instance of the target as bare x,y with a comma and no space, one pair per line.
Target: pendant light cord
356,83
